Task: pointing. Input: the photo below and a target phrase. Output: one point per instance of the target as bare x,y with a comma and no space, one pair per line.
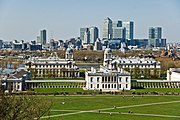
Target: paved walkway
130,106
140,114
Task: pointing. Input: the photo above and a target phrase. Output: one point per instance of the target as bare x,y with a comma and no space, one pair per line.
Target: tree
22,107
136,72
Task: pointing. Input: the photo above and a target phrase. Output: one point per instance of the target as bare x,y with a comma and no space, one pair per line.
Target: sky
23,19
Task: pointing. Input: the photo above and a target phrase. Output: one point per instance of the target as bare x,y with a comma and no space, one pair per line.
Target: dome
108,50
69,50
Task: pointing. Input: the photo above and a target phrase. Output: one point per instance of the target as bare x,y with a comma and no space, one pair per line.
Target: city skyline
62,19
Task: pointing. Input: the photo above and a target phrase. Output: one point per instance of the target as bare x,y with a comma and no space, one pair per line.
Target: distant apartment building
117,30
98,44
155,37
129,28
33,47
89,35
38,40
119,33
1,44
107,28
53,44
53,67
43,36
19,45
140,43
155,33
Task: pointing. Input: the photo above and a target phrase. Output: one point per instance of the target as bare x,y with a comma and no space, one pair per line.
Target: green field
61,90
157,90
81,90
87,107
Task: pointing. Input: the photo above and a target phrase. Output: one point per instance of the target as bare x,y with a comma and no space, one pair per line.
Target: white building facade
173,74
107,80
131,62
53,66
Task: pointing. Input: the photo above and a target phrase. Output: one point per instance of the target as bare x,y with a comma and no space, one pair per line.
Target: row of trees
145,73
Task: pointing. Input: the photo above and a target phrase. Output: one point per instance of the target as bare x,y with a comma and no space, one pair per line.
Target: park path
104,109
141,114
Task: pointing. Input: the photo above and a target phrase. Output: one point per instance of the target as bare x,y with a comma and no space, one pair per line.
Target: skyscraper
117,24
38,40
1,42
93,34
155,33
86,37
82,32
89,35
129,26
155,37
43,36
107,28
119,33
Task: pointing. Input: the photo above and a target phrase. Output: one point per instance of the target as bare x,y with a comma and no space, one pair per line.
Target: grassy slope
157,90
81,90
98,102
60,90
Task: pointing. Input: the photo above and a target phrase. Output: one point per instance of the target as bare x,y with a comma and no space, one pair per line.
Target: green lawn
86,103
81,90
157,90
60,90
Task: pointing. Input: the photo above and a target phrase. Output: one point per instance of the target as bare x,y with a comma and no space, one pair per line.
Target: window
111,85
97,85
103,79
91,85
119,85
102,85
91,79
97,79
109,79
119,79
126,85
126,79
108,85
114,85
114,78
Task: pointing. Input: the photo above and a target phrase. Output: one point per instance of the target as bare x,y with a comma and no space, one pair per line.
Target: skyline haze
23,19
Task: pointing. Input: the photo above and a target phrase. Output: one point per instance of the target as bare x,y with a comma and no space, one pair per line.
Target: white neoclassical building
16,81
131,62
173,74
53,66
107,80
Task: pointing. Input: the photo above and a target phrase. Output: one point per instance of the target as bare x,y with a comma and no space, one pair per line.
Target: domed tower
69,54
107,57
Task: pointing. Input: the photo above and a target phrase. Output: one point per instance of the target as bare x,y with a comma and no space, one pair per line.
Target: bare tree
22,107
